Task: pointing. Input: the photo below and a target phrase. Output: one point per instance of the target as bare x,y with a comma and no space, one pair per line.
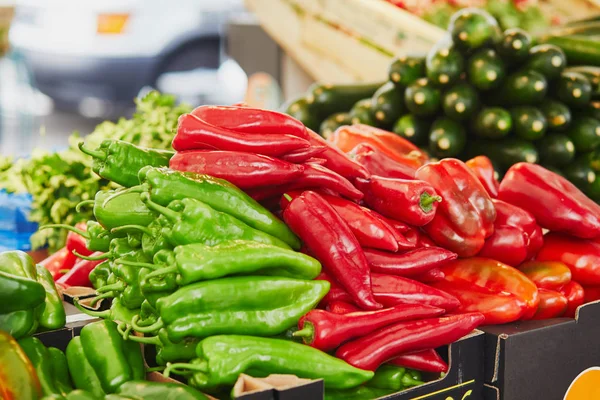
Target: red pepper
555,202
433,275
397,229
302,155
507,214
419,238
495,276
411,263
380,164
79,274
337,161
592,293
372,350
507,244
326,331
77,242
331,240
552,304
497,307
575,295
341,307
395,142
411,201
194,133
547,274
424,360
581,256
465,217
244,170
59,262
484,171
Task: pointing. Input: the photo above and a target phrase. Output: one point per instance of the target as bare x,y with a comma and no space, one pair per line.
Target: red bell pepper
495,276
484,171
507,214
244,170
424,360
575,295
59,262
411,263
433,275
465,217
341,307
552,304
372,350
79,274
76,242
591,293
411,201
399,144
551,275
555,202
308,154
507,244
331,240
194,133
581,256
380,164
325,331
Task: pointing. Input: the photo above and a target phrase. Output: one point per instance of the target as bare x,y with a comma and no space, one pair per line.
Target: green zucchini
333,122
593,75
514,46
331,99
422,98
557,114
413,128
505,152
303,109
387,105
447,138
556,149
485,69
581,174
592,110
460,101
574,89
529,122
443,65
547,59
524,87
492,123
406,70
473,28
362,113
585,133
579,50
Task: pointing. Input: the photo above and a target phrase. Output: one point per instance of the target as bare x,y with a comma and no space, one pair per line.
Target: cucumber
362,113
447,138
556,149
443,65
303,109
406,70
388,105
581,174
593,75
473,28
574,89
422,98
460,101
505,152
492,123
331,99
557,114
579,50
514,46
547,59
485,69
585,133
524,87
592,110
413,128
529,122
333,122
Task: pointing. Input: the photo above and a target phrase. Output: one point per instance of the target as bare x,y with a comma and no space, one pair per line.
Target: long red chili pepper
318,176
79,274
433,275
552,304
380,164
551,275
372,350
194,133
341,307
302,155
591,293
398,229
575,295
393,141
411,263
507,214
425,360
331,240
326,331
59,262
244,170
484,171
507,244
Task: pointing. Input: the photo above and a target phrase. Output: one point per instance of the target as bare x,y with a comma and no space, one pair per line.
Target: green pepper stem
96,258
117,287
136,264
287,197
78,231
179,367
83,204
139,339
427,200
155,369
307,333
161,272
170,214
141,228
106,314
102,297
90,152
146,329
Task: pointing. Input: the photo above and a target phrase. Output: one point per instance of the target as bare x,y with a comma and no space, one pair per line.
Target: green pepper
19,293
20,323
100,273
116,313
165,186
40,359
197,262
131,296
18,379
394,378
53,315
148,313
121,161
83,395
153,239
60,370
114,208
220,360
97,238
159,391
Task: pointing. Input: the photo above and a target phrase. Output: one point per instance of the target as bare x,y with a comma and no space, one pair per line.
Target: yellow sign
586,386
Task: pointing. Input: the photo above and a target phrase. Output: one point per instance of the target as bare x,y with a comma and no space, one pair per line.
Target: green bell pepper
159,391
60,370
114,208
53,315
19,293
40,359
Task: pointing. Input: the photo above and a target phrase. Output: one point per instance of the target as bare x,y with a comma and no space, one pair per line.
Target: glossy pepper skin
412,201
509,215
575,295
130,295
581,256
331,240
410,263
555,202
83,374
18,378
244,170
116,208
116,313
341,307
380,164
372,350
484,171
194,133
547,274
96,236
552,304
79,275
424,360
307,155
159,391
165,186
216,366
393,377
59,262
507,244
120,161
19,293
40,359
465,217
53,314
326,331
60,370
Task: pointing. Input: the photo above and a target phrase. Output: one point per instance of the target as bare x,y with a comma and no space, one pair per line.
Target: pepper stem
161,272
96,258
101,297
90,152
99,314
179,368
78,231
155,369
170,214
307,333
141,228
287,197
146,329
117,287
426,202
83,204
136,264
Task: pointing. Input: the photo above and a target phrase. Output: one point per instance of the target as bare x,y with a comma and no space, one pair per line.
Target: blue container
15,228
